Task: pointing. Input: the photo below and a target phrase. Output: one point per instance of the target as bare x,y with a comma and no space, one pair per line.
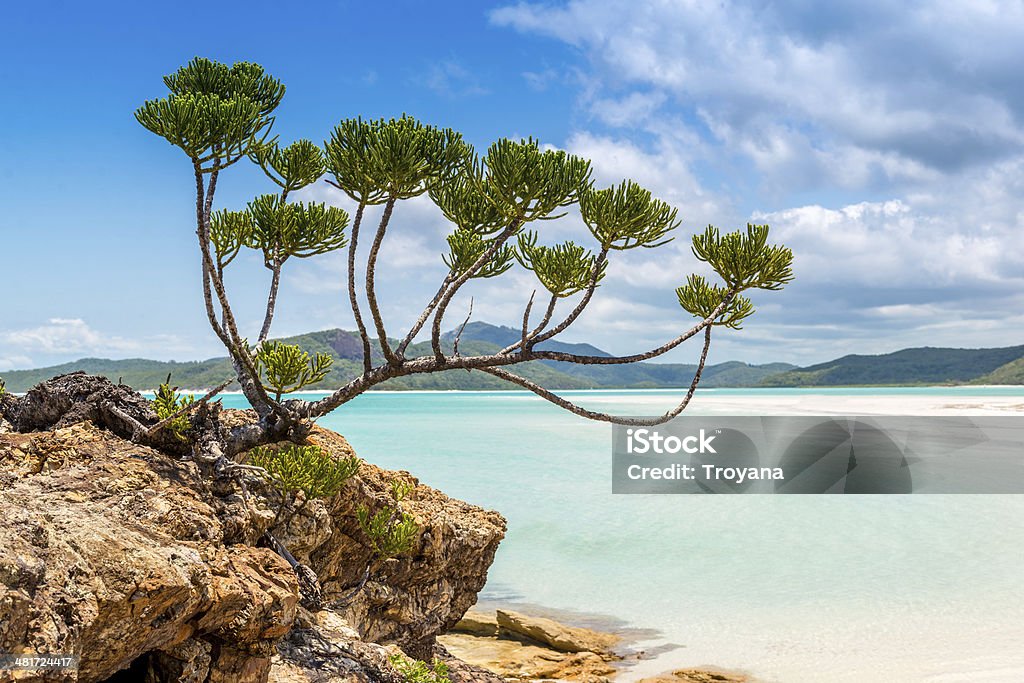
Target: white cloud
907,85
65,335
15,363
884,143
62,339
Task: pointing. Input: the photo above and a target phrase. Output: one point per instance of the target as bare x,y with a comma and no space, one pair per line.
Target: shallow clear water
791,588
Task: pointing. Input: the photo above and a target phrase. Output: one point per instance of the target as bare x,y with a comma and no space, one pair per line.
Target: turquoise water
815,588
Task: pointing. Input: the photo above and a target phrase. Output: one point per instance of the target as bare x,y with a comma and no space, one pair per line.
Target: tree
219,115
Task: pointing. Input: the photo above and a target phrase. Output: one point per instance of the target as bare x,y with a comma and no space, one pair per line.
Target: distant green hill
911,366
1011,373
477,338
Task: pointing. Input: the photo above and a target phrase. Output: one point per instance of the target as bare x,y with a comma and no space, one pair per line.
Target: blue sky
884,142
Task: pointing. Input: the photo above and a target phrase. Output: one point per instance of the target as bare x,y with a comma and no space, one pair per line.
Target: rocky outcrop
477,623
553,634
525,661
520,647
411,599
109,551
134,560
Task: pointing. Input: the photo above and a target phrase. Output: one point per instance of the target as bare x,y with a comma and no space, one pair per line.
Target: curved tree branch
371,294
571,318
435,333
526,343
353,300
635,358
605,417
414,330
275,282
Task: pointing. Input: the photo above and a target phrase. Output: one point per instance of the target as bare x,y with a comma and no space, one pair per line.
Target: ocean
789,588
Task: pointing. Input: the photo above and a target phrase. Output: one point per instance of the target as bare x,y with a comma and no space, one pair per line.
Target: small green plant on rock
390,531
415,671
167,403
285,368
303,468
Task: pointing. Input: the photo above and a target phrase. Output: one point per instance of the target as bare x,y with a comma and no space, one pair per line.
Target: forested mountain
925,365
346,349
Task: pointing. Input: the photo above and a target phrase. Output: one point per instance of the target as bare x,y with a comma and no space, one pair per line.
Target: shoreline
531,642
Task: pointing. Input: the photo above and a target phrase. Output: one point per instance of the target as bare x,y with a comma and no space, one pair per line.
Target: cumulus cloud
882,142
64,335
900,86
61,339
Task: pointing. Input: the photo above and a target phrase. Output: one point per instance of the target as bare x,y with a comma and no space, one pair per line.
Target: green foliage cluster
274,226
465,247
744,261
167,402
217,114
416,671
3,387
281,229
286,367
377,161
305,468
292,168
564,269
390,531
626,217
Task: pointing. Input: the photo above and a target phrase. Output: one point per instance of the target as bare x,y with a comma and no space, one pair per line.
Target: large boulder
132,559
108,551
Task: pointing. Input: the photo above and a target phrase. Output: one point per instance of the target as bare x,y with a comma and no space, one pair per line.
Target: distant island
916,366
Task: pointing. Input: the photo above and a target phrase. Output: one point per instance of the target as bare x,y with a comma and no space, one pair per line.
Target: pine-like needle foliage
292,168
465,247
744,261
281,229
564,269
376,161
215,113
167,402
286,367
626,217
390,531
305,468
229,232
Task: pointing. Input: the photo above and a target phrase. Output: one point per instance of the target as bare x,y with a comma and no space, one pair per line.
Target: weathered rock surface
553,634
411,599
108,551
518,660
477,623
130,558
325,649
